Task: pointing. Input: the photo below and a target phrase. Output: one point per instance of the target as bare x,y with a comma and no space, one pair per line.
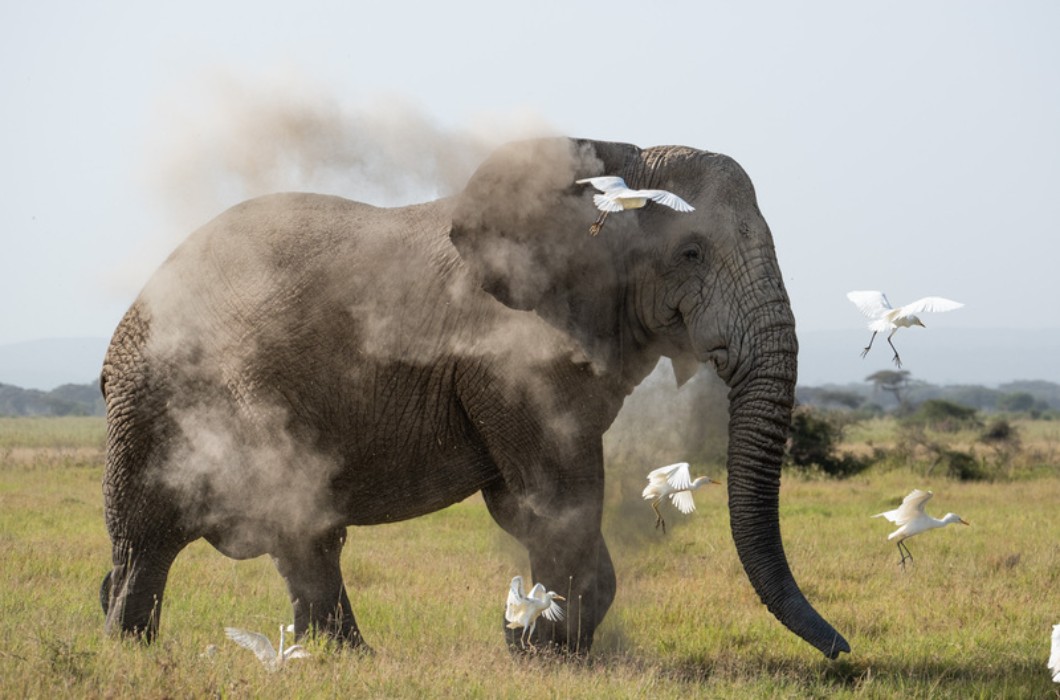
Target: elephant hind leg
311,569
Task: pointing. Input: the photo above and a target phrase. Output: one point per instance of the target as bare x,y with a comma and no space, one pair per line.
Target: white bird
674,481
617,196
522,610
912,520
1054,655
887,318
273,659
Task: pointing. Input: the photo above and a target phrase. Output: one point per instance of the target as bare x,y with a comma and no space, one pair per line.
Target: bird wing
553,612
668,198
604,183
1054,655
296,651
515,599
257,643
912,507
871,303
607,202
930,305
682,500
678,477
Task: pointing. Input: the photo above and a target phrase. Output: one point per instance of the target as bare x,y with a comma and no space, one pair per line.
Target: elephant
304,363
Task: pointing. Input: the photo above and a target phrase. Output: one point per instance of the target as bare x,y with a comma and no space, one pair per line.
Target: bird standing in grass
522,610
674,481
273,659
912,520
887,318
616,195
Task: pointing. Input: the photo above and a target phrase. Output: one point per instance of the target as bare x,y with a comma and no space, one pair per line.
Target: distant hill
47,364
65,400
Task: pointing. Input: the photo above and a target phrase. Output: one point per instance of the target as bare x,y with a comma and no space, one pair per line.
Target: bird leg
598,224
869,346
658,517
903,549
897,360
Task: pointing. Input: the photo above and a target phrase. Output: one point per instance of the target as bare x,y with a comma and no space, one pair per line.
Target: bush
812,444
944,416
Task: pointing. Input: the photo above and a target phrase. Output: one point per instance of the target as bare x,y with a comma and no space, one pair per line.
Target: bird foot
595,229
898,362
865,352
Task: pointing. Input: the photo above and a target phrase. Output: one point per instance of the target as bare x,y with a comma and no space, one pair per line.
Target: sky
911,147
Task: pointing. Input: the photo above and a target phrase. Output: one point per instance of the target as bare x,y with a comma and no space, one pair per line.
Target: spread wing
607,202
257,643
871,303
296,652
931,305
553,612
678,477
682,500
668,198
604,183
513,607
912,507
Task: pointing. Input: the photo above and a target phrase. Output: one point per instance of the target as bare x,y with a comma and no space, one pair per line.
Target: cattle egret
273,659
674,481
617,196
887,318
1054,656
522,610
912,520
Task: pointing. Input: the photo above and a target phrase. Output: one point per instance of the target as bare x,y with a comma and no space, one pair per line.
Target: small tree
894,382
813,442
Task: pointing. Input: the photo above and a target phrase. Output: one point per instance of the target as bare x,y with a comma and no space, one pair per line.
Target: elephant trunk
760,405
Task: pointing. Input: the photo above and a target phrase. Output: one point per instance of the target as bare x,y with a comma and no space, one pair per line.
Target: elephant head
698,287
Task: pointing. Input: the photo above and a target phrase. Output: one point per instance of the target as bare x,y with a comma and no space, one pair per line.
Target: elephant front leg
131,593
311,568
567,555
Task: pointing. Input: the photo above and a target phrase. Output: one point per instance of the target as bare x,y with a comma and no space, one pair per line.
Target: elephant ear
522,223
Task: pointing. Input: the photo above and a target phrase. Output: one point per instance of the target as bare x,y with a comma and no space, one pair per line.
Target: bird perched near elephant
522,609
303,364
272,659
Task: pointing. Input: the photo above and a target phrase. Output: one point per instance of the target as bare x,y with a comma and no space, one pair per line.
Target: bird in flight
887,318
674,481
273,659
617,196
912,520
522,609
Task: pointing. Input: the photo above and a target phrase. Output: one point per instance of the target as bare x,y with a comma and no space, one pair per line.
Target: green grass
971,618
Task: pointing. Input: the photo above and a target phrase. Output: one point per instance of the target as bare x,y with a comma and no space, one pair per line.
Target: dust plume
229,139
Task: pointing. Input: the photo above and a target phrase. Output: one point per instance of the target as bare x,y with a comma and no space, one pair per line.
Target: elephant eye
690,252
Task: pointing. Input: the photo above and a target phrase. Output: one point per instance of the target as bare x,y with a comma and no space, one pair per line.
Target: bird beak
964,522
558,597
920,323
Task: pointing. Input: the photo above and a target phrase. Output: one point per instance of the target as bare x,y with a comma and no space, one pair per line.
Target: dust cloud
228,139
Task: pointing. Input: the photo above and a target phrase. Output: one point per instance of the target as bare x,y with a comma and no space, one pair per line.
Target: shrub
812,444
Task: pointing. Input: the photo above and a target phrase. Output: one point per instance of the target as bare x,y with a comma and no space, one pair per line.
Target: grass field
971,618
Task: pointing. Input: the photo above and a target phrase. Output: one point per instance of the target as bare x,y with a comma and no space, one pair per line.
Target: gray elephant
305,363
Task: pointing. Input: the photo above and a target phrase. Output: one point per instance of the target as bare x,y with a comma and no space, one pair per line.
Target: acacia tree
891,381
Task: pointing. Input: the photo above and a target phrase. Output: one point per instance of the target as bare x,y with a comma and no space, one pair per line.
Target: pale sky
912,147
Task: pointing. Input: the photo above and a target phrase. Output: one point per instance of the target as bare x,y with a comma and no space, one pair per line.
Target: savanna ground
971,618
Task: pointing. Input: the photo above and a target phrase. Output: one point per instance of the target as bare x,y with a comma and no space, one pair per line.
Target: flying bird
617,196
1054,655
522,610
674,481
912,520
887,318
273,659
